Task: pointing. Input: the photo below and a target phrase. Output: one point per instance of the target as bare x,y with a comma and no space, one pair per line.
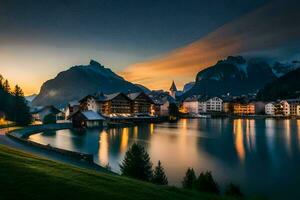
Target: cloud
274,26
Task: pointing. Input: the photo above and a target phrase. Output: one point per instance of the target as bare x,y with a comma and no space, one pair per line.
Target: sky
148,42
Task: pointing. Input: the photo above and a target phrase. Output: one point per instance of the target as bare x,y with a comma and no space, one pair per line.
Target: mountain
188,86
143,88
79,81
285,87
237,76
30,98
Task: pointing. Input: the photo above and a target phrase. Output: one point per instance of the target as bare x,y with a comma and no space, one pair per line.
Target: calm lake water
262,156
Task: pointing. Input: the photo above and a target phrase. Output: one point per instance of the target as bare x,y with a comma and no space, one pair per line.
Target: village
101,109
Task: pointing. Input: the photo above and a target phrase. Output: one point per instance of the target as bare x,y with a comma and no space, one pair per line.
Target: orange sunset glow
242,36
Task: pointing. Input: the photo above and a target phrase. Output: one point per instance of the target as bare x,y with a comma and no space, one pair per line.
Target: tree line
13,103
137,164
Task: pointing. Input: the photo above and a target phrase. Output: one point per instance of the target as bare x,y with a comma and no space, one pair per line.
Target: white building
283,108
286,108
214,104
270,109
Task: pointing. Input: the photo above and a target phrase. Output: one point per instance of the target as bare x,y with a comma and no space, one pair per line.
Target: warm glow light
124,139
135,132
103,148
250,134
151,128
2,121
288,135
239,138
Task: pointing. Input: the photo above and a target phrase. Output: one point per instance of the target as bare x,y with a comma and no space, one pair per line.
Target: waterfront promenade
52,155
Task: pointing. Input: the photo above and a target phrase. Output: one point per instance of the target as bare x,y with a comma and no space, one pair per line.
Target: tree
49,119
1,82
21,114
6,86
137,164
159,176
233,190
190,179
206,183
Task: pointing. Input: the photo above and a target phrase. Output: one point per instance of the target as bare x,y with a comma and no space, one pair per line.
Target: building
140,103
87,119
173,90
282,108
227,107
270,109
293,109
259,107
72,107
191,105
117,104
294,103
162,101
243,108
113,105
90,102
210,105
214,105
39,113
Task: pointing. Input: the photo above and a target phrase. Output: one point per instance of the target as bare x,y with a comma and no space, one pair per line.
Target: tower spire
173,90
173,87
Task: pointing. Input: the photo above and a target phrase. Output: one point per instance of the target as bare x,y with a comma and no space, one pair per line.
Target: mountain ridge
81,80
237,75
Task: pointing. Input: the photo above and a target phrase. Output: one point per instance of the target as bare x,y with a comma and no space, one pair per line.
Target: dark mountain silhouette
285,87
237,76
78,81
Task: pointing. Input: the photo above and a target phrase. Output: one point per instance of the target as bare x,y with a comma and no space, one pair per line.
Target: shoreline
21,136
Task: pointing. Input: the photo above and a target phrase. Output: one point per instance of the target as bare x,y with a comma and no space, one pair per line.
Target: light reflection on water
263,156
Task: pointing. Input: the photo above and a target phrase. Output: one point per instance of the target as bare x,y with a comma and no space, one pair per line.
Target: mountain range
285,87
237,75
79,81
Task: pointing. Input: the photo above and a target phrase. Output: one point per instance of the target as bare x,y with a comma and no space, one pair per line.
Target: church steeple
173,87
173,90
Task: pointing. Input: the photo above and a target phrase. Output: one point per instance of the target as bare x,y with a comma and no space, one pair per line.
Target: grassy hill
25,176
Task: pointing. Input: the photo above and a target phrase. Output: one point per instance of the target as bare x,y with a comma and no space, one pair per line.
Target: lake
262,156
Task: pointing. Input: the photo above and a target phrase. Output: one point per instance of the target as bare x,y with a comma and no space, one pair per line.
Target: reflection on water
262,156
239,138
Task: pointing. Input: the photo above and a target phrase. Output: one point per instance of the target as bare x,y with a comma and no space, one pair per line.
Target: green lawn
24,176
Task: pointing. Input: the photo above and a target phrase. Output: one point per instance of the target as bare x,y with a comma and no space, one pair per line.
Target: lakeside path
51,155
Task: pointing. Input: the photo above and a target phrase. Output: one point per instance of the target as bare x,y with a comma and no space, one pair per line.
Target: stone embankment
23,134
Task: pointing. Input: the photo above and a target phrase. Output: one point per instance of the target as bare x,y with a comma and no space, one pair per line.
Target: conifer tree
190,179
206,183
20,109
159,176
6,86
234,191
137,164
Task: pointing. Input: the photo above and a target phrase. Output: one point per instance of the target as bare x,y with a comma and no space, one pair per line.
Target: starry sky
170,39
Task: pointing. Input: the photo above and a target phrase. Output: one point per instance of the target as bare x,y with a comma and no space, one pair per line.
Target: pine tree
206,183
1,82
233,190
190,179
21,114
137,164
159,176
6,86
